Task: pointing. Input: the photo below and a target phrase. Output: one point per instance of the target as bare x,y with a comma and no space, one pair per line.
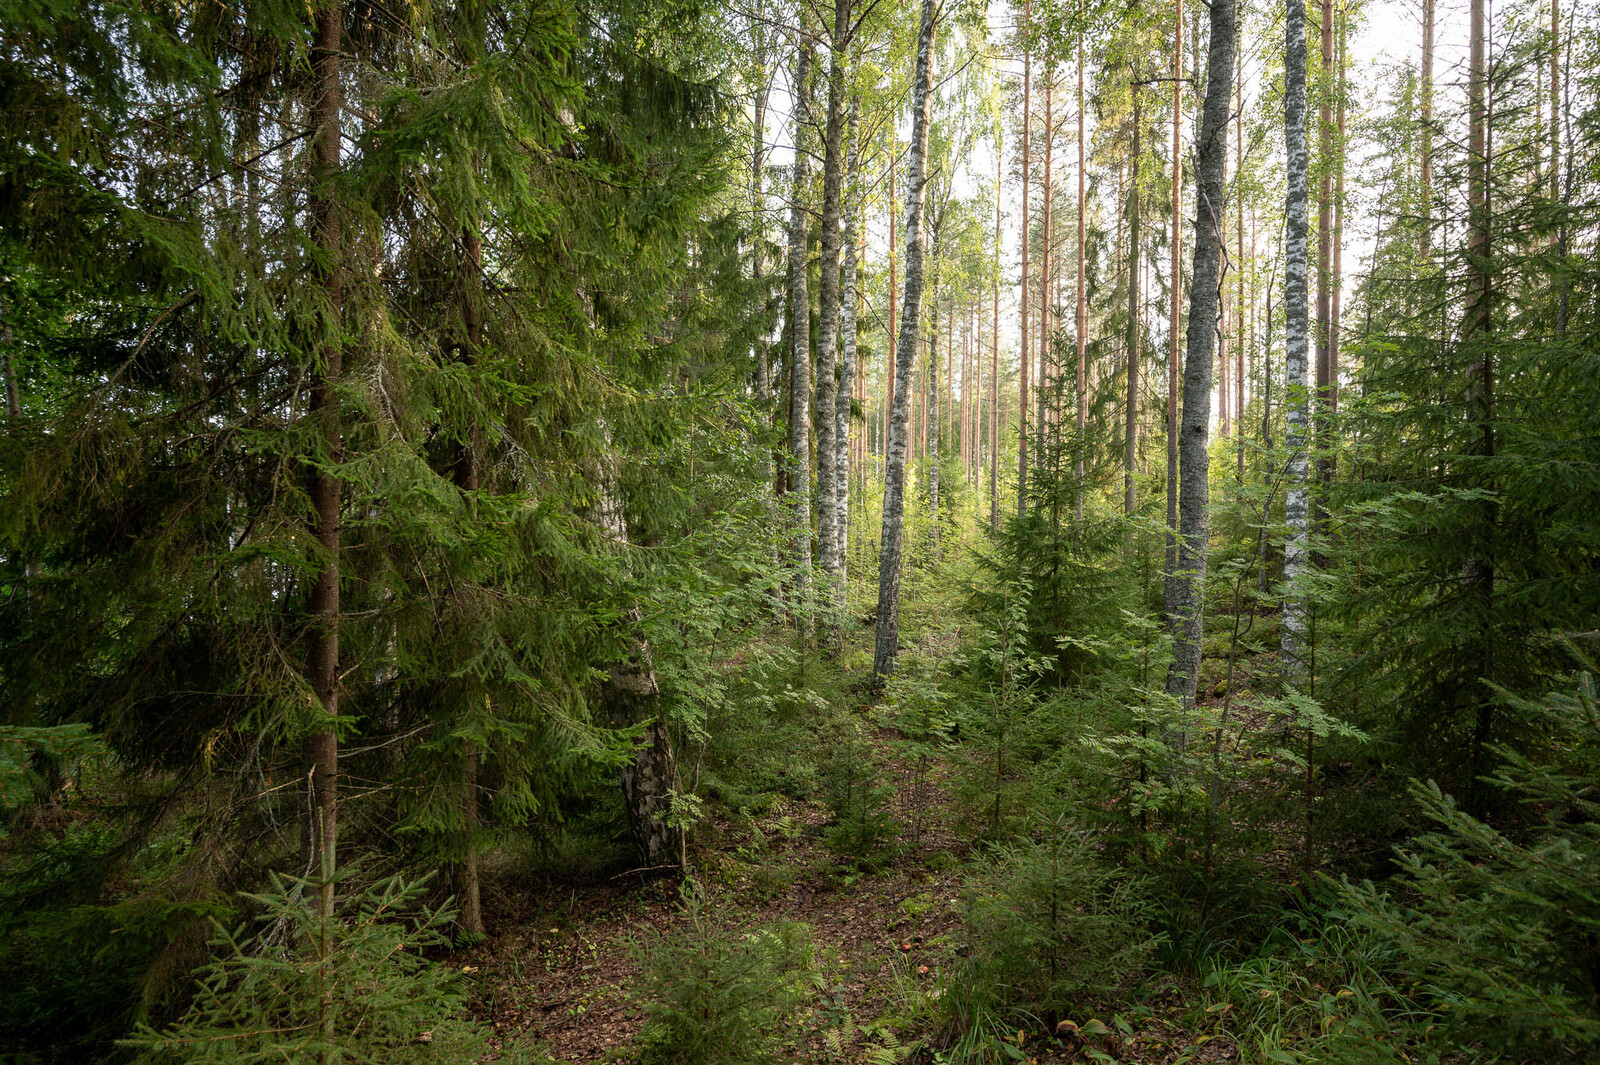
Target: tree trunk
833,164
847,364
1325,164
1026,370
1426,175
1337,280
758,229
1480,569
1170,585
894,296
1131,407
631,694
1296,342
888,634
634,695
930,406
994,345
7,373
800,356
322,638
1046,250
1555,98
1244,336
1081,317
465,873
1204,299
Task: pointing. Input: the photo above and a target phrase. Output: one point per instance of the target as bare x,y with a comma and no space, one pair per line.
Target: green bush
718,996
1049,930
859,795
353,989
1500,926
1484,948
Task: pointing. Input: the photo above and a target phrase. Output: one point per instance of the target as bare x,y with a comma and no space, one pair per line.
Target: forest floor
562,970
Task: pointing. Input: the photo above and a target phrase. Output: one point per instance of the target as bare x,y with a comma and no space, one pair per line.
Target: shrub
864,829
1482,948
353,989
1049,929
1500,928
718,996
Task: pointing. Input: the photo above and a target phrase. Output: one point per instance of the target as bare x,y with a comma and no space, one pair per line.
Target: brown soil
559,972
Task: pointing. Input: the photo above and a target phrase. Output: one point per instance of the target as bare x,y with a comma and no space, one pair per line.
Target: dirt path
561,972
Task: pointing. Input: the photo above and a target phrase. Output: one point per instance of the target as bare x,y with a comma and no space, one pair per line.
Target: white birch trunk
1296,323
828,314
800,355
847,361
888,635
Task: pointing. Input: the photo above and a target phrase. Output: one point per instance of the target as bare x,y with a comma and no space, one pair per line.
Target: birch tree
1194,491
800,351
847,348
888,635
828,322
1296,314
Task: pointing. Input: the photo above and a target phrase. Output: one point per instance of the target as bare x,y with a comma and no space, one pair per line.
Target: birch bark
1204,307
888,635
828,322
1296,341
847,360
800,353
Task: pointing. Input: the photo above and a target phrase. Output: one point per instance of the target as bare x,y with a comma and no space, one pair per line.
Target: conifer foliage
469,469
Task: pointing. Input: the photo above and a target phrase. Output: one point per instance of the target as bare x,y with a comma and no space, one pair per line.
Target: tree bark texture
833,164
1296,343
1174,368
1323,425
1205,299
465,873
322,639
847,359
1081,318
1426,132
994,352
800,354
888,635
1130,413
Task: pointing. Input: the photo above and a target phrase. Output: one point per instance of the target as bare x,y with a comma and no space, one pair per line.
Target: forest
799,531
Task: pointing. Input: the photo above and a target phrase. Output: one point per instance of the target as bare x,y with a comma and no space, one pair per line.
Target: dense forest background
864,531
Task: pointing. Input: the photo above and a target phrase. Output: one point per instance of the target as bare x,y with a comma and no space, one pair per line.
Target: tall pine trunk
1478,322
1081,316
1046,262
1205,295
322,637
1023,378
994,349
465,873
888,635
